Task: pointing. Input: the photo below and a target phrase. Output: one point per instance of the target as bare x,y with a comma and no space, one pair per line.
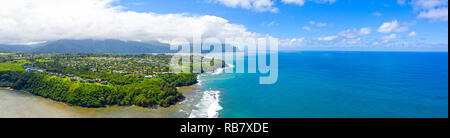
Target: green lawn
44,60
16,65
5,54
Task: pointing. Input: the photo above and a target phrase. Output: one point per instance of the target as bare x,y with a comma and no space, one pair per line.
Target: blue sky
294,21
298,24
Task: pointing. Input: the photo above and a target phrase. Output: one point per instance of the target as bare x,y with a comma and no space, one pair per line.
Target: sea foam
208,107
222,70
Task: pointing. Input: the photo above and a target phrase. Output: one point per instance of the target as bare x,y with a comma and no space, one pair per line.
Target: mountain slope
95,46
14,48
102,46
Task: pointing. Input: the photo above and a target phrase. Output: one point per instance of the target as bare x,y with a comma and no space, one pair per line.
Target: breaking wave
208,107
222,70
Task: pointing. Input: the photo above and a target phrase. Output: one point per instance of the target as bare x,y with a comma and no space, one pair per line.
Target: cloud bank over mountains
36,21
28,22
32,21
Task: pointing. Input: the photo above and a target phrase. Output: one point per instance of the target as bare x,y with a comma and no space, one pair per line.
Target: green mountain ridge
91,46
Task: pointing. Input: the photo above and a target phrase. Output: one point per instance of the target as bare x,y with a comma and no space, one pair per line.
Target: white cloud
137,3
327,38
394,26
440,14
365,31
313,24
388,38
317,24
401,2
302,2
349,33
388,27
392,36
257,5
321,24
377,14
346,37
355,33
428,4
264,5
25,21
306,28
435,10
412,34
374,43
270,24
292,42
351,41
297,2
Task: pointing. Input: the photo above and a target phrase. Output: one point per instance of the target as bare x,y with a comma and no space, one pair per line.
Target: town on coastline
99,80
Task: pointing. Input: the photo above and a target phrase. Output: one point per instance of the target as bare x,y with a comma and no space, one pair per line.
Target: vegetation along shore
97,80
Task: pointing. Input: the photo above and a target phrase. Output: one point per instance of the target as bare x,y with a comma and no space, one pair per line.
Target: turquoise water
336,84
310,85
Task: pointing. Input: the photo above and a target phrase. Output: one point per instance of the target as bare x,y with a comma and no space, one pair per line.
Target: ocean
334,85
310,85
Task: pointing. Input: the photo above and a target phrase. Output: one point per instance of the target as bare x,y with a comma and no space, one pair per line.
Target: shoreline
106,106
209,102
182,109
22,104
187,89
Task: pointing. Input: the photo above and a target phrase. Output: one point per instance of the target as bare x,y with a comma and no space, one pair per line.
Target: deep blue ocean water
339,84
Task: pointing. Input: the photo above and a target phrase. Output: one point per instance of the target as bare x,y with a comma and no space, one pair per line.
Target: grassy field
44,60
16,65
5,54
